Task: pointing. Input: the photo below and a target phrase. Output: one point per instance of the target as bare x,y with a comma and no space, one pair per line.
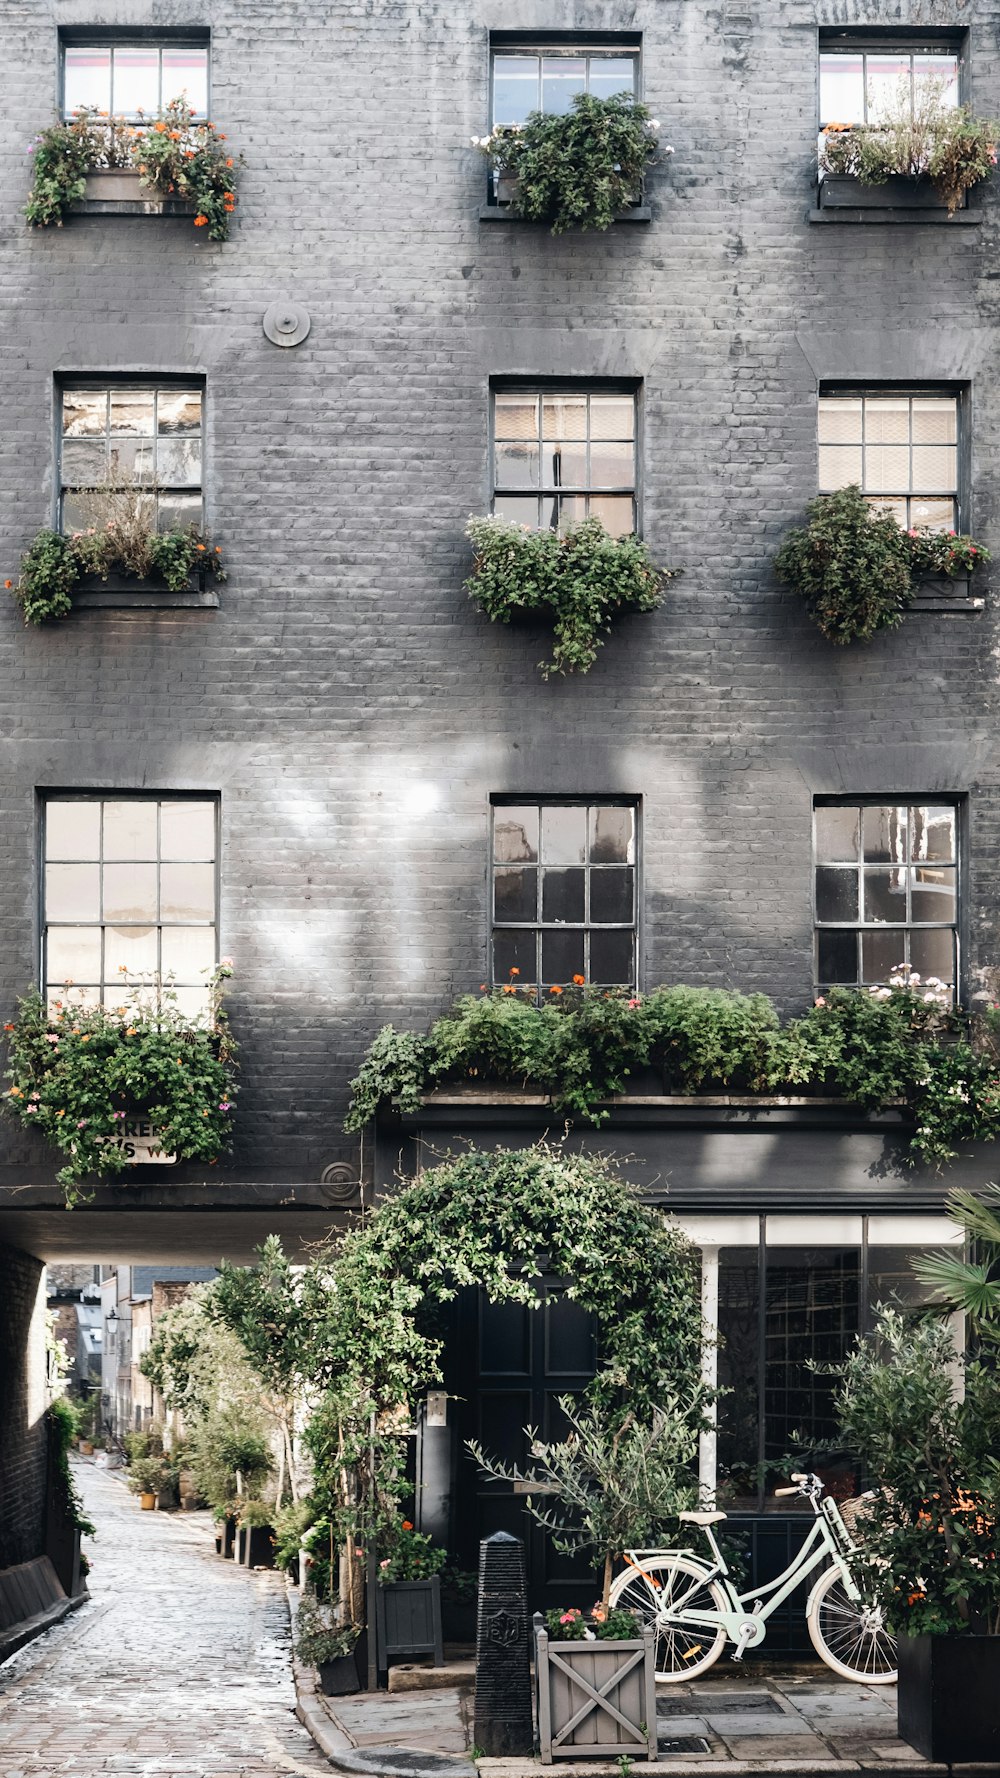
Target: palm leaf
961,1283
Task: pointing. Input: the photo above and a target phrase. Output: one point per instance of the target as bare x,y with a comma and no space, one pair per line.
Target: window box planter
121,191
948,1689
128,592
507,187
843,191
596,1700
408,1621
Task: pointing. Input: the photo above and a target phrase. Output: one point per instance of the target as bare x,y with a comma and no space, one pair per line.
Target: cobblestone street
178,1668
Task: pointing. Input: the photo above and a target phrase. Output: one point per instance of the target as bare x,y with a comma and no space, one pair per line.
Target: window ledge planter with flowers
921,154
120,565
171,165
580,169
596,1686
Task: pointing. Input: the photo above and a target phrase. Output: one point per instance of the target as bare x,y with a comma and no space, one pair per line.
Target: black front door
515,1363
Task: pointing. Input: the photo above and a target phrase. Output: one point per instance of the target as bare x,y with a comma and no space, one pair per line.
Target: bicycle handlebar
779,1491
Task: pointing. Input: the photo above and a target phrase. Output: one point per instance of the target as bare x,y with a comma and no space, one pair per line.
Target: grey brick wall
347,702
22,1404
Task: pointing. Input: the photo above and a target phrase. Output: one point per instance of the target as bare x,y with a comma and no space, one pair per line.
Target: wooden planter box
408,1621
120,189
507,187
948,1692
596,1700
842,191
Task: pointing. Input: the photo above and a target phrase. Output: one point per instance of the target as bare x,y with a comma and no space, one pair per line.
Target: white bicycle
694,1608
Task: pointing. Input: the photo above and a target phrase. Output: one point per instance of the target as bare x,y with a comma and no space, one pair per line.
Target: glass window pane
136,84
564,416
615,511
933,954
891,1279
564,834
515,834
612,958
516,465
187,951
133,946
87,79
84,463
881,954
933,830
515,88
515,416
841,89
612,416
514,949
932,515
612,74
888,81
885,834
178,410
612,466
837,957
811,1317
935,469
187,830
565,512
611,895
194,1003
840,419
885,897
73,830
932,893
563,896
837,834
187,892
132,411
564,466
75,512
612,836
73,954
836,894
839,466
738,1359
517,510
178,462
562,78
935,419
185,75
133,459
72,892
943,71
175,512
515,893
887,469
84,413
562,955
898,508
887,419
130,829
130,892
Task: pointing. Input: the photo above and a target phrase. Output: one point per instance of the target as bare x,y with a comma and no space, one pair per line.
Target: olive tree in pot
928,1436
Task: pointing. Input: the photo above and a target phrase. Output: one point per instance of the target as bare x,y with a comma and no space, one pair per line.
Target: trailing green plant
914,135
578,581
322,1633
901,1045
123,542
945,553
80,1072
175,156
578,169
412,1555
62,1418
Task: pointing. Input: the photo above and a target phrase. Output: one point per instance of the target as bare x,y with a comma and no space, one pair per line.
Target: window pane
612,836
515,88
84,463
611,895
564,416
515,834
517,510
898,509
178,410
515,893
84,413
935,419
133,946
885,897
837,957
612,958
615,511
933,893
72,892
812,1314
933,515
516,465
836,834
881,953
178,462
840,419
935,469
887,469
564,466
73,954
612,416
514,950
185,75
87,79
187,892
933,954
73,830
562,955
564,834
515,416
187,951
612,74
130,892
194,1003
562,78
136,82
133,459
839,466
885,834
563,896
739,1322
939,68
836,894
933,834
130,830
132,411
887,419
612,465
841,89
175,512
888,79
187,830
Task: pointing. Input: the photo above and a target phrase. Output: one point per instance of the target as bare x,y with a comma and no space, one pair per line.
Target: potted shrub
595,1682
147,1477
408,1603
931,1550
579,169
324,1640
577,583
918,152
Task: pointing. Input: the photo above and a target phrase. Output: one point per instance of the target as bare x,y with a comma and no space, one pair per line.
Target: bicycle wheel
664,1582
850,1635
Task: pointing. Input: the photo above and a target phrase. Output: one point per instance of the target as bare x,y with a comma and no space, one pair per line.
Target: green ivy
78,1072
577,582
579,169
62,1417
53,564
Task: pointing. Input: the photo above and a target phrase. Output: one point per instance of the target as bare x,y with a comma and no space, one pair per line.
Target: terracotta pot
147,1502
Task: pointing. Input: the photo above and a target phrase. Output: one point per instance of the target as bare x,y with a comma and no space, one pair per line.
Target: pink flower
82,1123
820,1001
633,1003
225,1105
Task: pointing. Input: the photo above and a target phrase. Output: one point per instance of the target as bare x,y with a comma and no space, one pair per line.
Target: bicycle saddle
701,1518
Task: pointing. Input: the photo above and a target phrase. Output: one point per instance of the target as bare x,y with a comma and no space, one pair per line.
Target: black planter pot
842,191
948,1692
225,1537
255,1546
408,1620
338,1679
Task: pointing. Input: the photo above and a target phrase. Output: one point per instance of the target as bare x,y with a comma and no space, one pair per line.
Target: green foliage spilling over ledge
889,1046
916,136
578,583
54,564
580,169
78,1073
858,571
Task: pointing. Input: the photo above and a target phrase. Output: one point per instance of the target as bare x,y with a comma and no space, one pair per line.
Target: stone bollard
503,1676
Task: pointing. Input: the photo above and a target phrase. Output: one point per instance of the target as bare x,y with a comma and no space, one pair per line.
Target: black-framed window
887,892
129,893
563,892
148,434
900,445
546,77
860,78
565,453
134,78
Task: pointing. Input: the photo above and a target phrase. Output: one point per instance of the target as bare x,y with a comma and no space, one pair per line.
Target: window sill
956,603
502,213
938,218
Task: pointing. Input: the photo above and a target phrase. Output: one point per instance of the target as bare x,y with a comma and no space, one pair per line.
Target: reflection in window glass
526,80
564,894
901,449
886,894
856,87
129,883
134,80
148,434
574,449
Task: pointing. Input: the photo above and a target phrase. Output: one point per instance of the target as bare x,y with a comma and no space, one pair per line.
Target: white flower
666,148
654,123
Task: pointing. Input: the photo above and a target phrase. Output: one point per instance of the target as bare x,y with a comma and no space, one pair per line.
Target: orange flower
579,980
229,161
555,990
200,546
131,1031
515,972
200,221
174,135
8,1027
160,128
8,584
16,1093
407,1524
189,154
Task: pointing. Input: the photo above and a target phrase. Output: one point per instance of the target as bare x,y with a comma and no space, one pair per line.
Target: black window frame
888,40
960,392
613,44
542,387
138,37
68,381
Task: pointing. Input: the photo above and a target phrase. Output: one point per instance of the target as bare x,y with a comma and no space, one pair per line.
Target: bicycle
694,1608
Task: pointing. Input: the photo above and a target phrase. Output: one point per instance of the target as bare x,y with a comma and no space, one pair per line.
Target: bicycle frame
828,1539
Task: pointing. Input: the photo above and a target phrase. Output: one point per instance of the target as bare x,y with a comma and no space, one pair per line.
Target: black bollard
503,1675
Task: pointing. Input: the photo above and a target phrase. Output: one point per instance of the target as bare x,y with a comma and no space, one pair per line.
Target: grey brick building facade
345,703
